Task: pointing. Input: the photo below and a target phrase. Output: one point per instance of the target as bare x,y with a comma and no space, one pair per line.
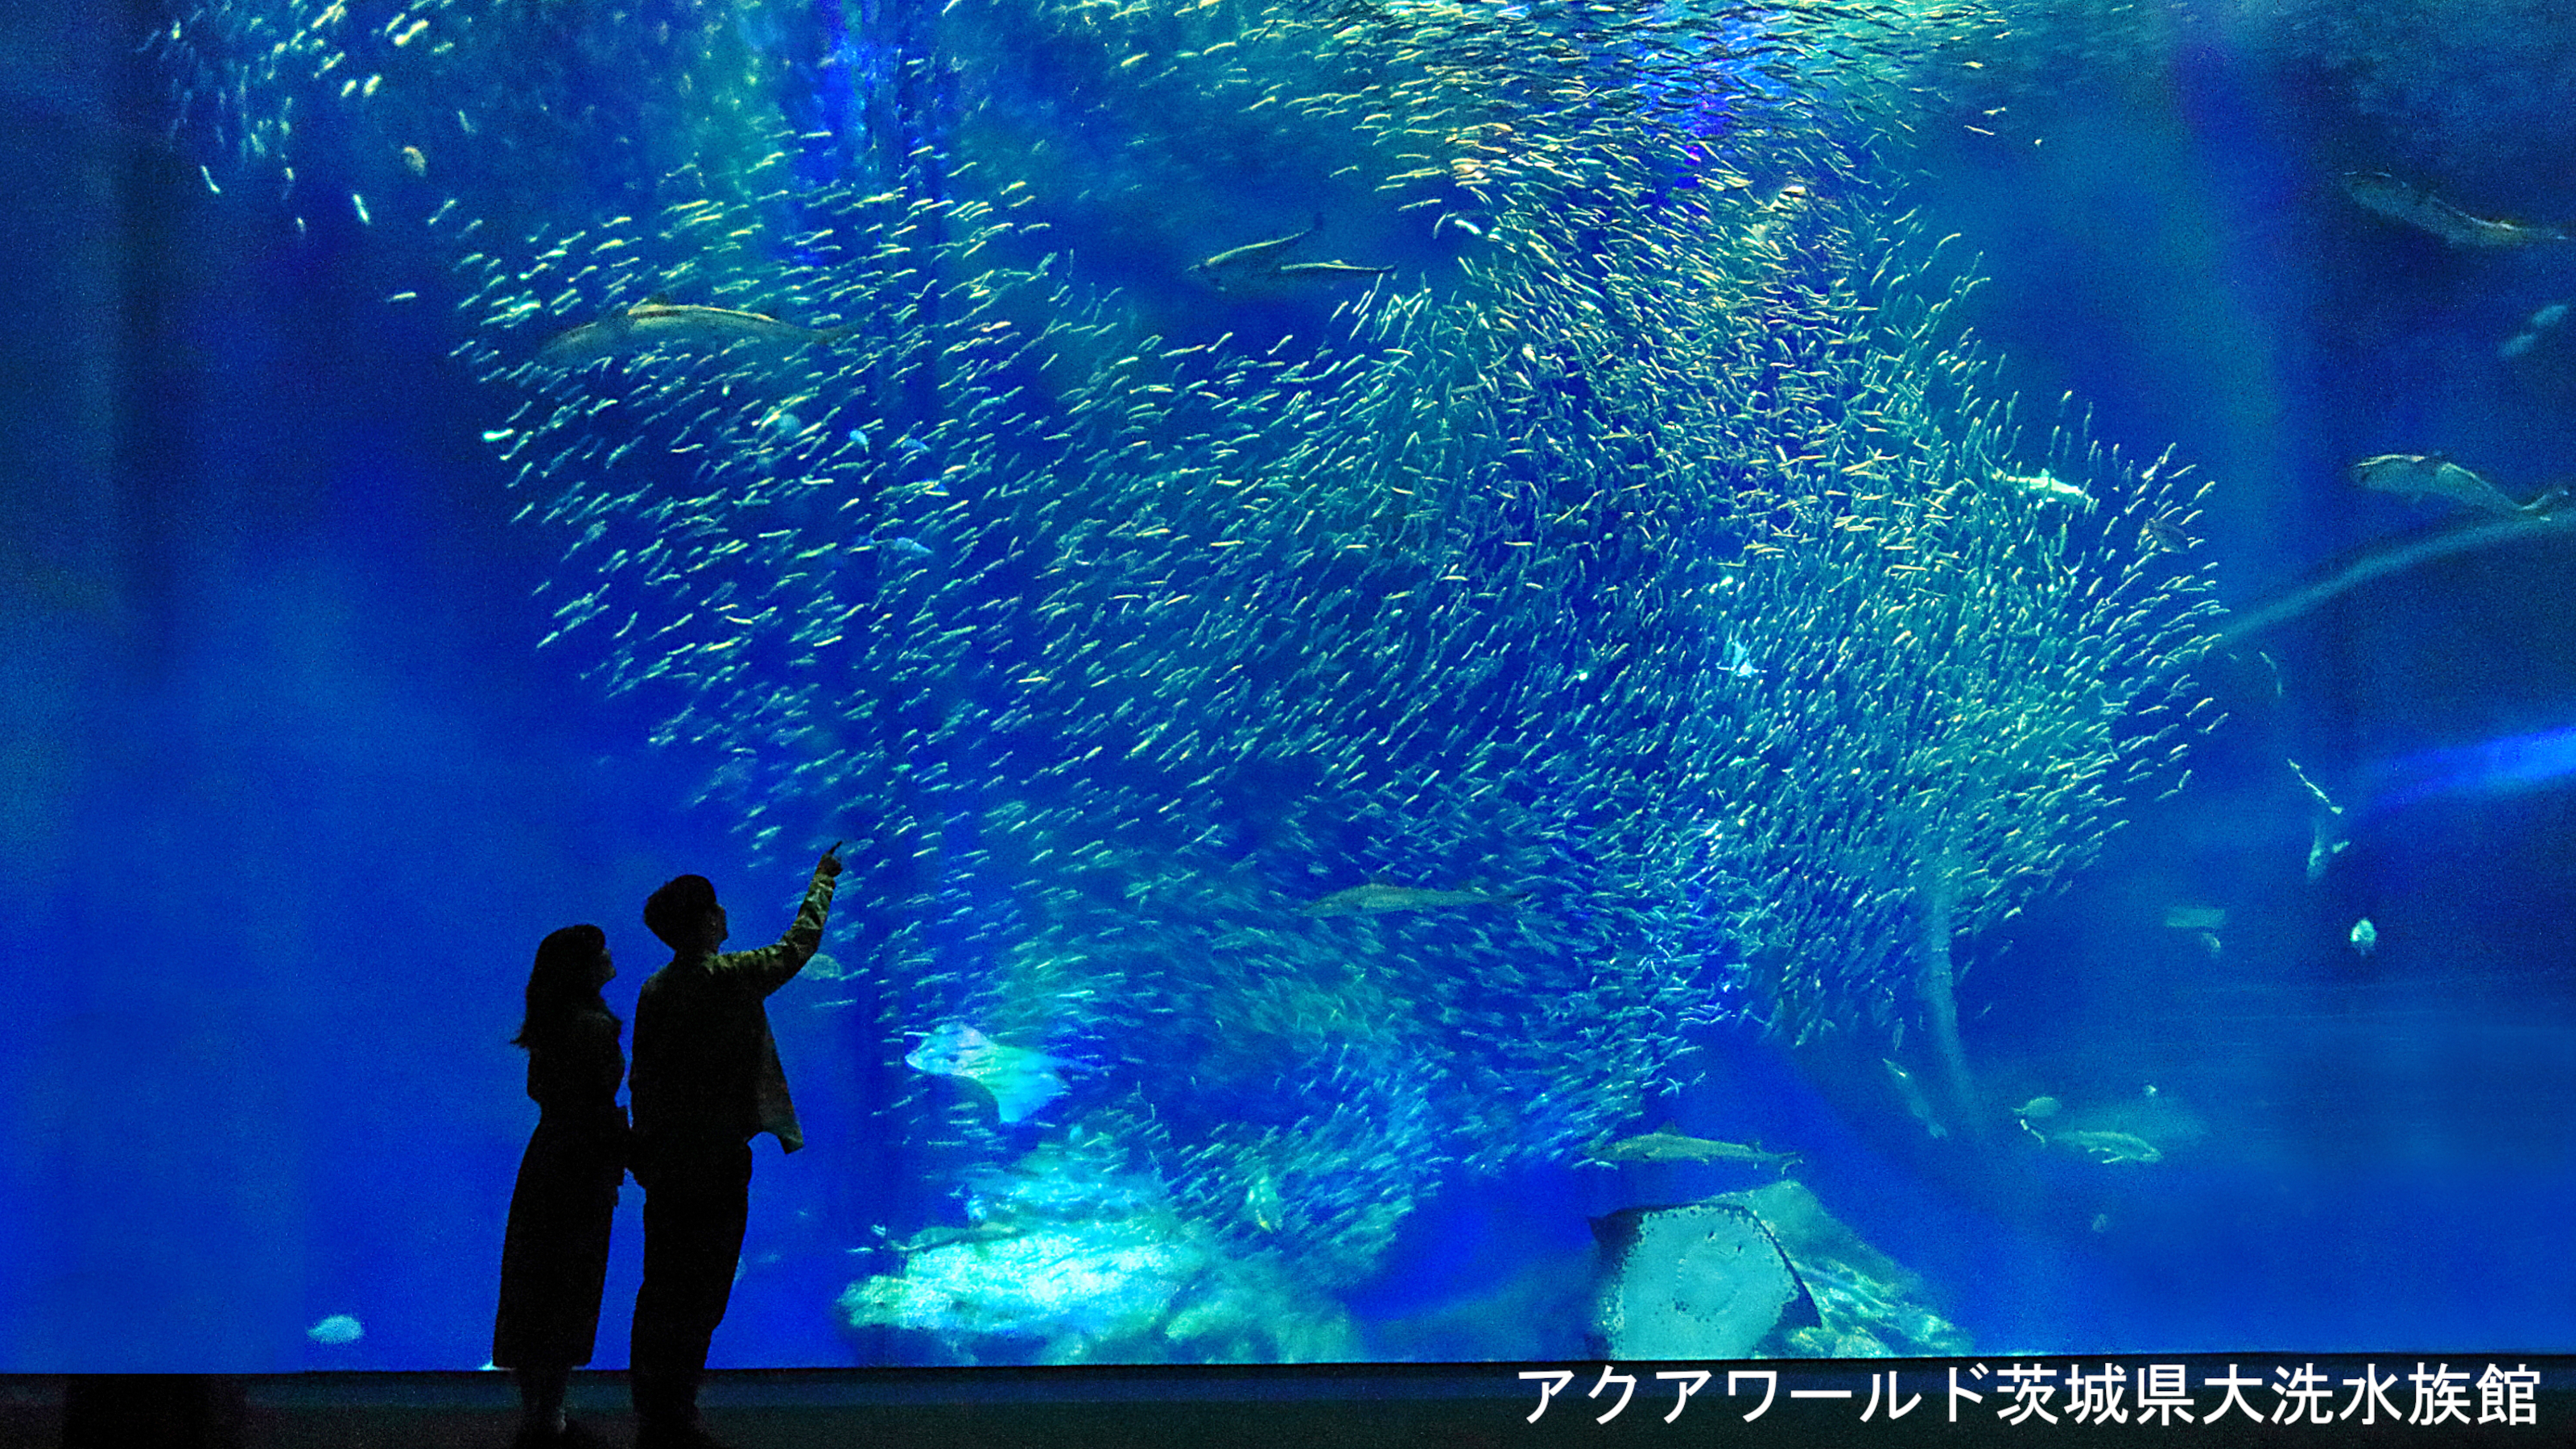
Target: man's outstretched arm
774,965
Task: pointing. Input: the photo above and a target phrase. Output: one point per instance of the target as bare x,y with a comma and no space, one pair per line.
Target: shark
1256,265
2109,1147
2418,475
1375,899
932,1239
1330,270
2399,201
1665,1144
661,322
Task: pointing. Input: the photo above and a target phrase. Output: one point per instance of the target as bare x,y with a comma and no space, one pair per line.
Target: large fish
2108,1147
1667,1145
663,323
2416,207
1375,899
1020,1080
2418,475
932,1239
1250,259
1256,266
1329,271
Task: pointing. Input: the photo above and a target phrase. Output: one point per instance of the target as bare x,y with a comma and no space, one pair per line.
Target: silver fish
1664,1144
1256,267
2047,487
1329,270
2418,475
2325,832
2108,1147
932,1239
659,323
1917,1103
1375,899
1230,267
2399,201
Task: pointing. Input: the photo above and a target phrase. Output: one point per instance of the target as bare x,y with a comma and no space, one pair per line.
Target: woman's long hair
560,988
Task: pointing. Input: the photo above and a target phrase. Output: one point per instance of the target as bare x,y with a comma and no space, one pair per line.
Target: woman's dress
555,1255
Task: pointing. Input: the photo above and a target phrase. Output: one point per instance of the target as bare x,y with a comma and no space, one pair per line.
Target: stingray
1020,1080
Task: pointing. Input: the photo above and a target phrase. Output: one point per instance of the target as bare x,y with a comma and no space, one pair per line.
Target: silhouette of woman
556,1252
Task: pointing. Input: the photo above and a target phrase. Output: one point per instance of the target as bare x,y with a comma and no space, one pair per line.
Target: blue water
291,794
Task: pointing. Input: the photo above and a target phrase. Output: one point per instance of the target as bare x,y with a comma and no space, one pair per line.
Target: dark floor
1473,1406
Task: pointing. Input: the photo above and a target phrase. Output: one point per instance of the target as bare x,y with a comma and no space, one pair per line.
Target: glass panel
1476,663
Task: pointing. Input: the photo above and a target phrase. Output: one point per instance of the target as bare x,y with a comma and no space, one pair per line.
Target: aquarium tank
1504,680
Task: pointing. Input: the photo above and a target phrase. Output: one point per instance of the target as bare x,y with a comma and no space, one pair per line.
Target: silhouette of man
705,1081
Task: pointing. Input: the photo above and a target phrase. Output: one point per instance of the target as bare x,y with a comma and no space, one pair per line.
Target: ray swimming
1021,1081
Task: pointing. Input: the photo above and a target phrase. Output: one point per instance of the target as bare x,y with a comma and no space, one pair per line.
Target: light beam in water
2490,768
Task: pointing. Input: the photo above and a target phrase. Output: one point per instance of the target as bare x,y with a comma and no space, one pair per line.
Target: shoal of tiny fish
1650,543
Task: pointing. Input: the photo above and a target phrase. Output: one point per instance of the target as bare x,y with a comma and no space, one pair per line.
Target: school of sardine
1619,599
